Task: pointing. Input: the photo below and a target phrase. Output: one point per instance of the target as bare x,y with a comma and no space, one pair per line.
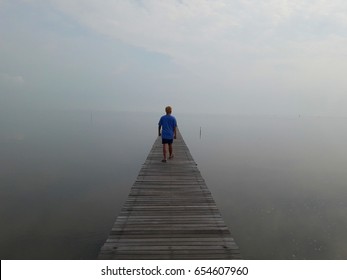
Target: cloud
217,35
165,25
11,80
168,27
240,51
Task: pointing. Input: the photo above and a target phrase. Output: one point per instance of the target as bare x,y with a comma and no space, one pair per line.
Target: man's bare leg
170,151
164,151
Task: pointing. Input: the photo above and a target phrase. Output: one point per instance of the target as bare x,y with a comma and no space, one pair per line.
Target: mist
274,57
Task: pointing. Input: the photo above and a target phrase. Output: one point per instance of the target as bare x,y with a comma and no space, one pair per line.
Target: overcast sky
237,56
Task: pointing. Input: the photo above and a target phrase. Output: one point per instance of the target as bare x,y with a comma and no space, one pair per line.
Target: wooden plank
169,214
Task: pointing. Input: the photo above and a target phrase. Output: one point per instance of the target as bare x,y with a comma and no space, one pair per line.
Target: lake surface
280,182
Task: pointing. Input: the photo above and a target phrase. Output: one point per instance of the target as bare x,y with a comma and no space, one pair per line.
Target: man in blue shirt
167,131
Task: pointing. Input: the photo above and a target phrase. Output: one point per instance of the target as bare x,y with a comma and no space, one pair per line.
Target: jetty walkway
169,214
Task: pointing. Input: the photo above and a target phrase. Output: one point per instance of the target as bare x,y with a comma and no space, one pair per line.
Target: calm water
280,182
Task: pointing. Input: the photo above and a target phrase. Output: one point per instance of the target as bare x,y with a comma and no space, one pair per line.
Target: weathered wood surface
169,214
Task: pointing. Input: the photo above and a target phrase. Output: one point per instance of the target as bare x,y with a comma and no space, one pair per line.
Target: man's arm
159,128
175,132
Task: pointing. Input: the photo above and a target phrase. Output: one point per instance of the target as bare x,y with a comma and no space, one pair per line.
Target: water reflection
64,181
280,183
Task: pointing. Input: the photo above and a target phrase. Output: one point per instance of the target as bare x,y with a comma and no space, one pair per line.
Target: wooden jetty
169,214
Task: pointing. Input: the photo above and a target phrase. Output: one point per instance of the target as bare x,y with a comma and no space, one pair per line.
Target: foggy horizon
271,57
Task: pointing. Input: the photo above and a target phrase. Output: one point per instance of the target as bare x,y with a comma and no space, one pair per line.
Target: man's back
168,124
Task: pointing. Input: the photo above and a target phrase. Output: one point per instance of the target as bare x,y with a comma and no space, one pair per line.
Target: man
167,131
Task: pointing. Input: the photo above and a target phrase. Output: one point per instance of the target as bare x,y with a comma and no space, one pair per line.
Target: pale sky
229,56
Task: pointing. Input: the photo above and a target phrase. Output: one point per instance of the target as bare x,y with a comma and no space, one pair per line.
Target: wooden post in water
169,214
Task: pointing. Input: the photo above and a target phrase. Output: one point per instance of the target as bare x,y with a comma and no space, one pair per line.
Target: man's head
168,110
